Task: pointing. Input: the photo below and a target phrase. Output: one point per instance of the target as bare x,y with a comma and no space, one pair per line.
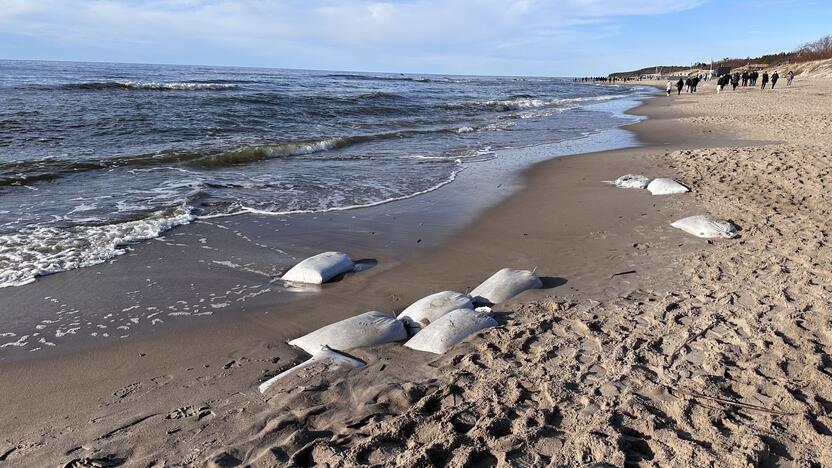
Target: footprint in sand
190,411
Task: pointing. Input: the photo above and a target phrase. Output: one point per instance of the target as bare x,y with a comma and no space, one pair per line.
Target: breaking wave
42,170
522,102
150,85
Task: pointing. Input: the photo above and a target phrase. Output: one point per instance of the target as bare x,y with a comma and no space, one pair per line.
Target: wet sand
645,345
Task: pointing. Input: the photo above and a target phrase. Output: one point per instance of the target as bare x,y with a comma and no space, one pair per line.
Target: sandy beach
645,347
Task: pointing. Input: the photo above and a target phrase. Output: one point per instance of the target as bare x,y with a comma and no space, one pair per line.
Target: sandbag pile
320,268
700,226
706,227
435,323
659,186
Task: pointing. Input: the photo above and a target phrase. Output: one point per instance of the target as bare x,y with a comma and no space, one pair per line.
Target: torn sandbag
449,330
662,186
430,308
636,181
504,285
367,329
320,268
326,355
707,227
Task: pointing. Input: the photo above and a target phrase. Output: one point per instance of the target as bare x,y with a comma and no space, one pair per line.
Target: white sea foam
523,103
173,86
251,210
27,254
17,344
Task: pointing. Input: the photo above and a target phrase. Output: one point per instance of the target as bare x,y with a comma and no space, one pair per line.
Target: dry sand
707,354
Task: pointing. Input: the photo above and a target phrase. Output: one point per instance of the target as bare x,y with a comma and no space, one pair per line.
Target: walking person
679,85
669,88
774,77
789,78
735,81
765,80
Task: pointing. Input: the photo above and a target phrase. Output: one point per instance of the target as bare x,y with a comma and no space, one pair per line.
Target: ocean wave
24,172
503,105
48,169
149,85
258,153
28,254
350,76
242,209
607,97
523,102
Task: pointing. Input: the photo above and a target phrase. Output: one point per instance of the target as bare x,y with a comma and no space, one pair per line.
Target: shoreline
213,270
192,396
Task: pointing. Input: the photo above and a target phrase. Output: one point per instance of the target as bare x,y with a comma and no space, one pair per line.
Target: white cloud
419,29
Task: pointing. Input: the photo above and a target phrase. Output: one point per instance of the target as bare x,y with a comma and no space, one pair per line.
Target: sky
470,37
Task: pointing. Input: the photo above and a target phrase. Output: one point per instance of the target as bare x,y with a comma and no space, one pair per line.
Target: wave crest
150,85
43,170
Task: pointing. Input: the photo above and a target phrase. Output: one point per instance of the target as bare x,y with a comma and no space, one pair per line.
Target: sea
97,156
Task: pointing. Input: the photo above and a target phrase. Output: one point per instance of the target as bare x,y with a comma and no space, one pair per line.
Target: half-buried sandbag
504,285
326,356
367,329
707,227
449,330
428,309
320,268
636,181
662,186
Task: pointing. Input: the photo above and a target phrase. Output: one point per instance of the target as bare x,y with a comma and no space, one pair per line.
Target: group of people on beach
745,78
689,83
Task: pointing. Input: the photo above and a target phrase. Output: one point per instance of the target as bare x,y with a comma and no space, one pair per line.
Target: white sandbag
662,186
320,268
332,359
706,226
367,329
428,309
504,285
636,181
449,330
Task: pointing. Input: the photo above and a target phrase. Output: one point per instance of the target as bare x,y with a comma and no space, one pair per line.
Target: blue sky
498,37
